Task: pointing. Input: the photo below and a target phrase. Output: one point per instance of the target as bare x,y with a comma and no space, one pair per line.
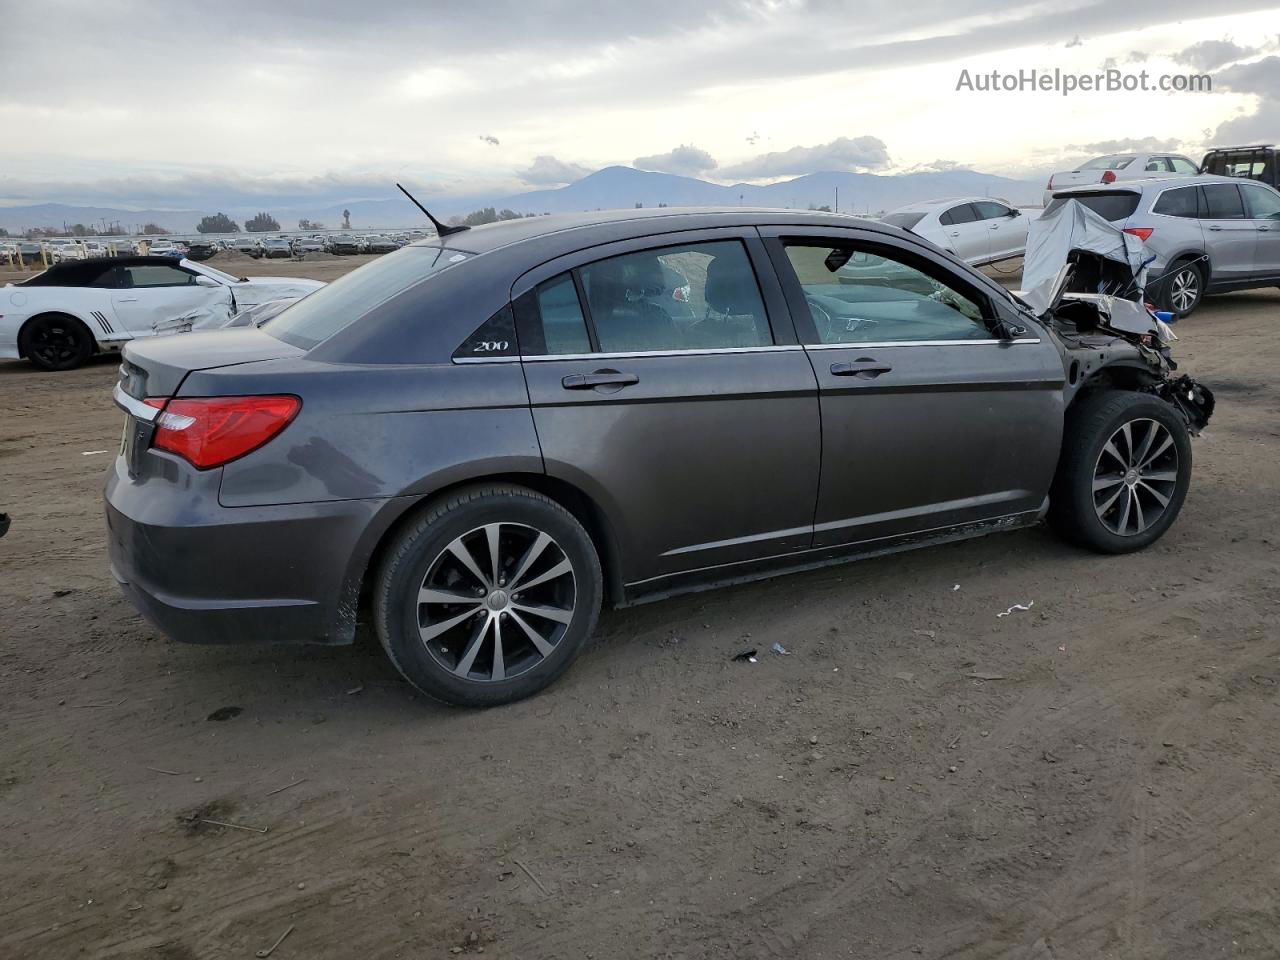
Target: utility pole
836,208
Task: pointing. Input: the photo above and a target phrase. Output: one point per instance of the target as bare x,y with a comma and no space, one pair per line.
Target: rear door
928,420
966,233
1262,204
1229,236
1006,229
667,383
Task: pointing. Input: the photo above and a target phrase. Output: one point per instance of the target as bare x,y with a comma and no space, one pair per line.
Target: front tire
1124,471
55,341
488,597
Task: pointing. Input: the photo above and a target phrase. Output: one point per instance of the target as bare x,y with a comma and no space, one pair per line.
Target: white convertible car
61,317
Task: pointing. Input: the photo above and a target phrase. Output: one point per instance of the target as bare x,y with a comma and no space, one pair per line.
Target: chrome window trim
878,344
776,348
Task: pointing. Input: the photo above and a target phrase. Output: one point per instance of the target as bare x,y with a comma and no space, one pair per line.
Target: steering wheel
832,329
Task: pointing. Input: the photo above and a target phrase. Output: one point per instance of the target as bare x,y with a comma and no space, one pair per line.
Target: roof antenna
441,228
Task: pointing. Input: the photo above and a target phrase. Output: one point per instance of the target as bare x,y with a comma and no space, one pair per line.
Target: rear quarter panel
377,431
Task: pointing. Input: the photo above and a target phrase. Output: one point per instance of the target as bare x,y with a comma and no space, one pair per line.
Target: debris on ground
984,675
780,649
225,713
1017,606
261,954
746,656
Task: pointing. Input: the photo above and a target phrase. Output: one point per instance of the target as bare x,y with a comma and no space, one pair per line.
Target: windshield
323,313
1107,163
215,274
904,220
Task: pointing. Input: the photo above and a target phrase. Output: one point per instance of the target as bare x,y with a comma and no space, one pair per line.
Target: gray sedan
485,436
1205,234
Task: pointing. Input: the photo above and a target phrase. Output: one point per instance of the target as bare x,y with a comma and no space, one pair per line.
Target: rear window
1183,202
1113,205
318,316
1107,163
904,220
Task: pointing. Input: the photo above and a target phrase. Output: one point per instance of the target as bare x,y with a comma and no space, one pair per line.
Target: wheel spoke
1123,525
1160,497
1103,483
430,632
1110,448
1151,458
435,595
559,570
1161,476
535,638
549,613
1103,508
473,648
493,533
1152,431
1127,430
464,556
1137,506
499,671
527,561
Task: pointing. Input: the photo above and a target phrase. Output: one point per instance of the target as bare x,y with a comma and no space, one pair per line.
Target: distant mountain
609,189
622,187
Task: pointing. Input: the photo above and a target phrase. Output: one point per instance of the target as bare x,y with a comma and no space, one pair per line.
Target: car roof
576,229
1147,184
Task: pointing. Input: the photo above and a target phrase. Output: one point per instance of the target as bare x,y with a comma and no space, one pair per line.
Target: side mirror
1014,213
1007,329
203,281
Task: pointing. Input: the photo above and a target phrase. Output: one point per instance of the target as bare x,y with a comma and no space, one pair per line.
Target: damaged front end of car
1112,341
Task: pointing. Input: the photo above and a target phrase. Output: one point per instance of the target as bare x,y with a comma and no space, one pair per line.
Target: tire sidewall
400,579
1142,407
84,342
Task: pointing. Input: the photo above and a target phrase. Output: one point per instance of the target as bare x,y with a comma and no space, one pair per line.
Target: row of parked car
1207,227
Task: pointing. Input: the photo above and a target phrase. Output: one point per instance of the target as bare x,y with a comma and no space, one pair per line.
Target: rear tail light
1109,176
1142,233
210,431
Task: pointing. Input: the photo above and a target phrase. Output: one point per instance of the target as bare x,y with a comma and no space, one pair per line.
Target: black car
484,436
1258,161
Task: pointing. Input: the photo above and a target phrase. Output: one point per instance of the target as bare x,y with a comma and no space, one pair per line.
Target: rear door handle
601,378
1215,228
863,367
128,299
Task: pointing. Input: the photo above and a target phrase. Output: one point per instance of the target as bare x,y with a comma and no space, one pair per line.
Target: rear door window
564,326
964,213
1182,202
1223,202
697,296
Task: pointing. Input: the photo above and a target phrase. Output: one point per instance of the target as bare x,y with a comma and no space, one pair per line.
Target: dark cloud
685,159
1261,78
1127,145
1211,54
1075,42
842,153
489,139
548,171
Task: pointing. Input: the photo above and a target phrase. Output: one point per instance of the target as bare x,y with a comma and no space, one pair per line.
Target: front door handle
601,378
955,233
128,300
1215,228
863,367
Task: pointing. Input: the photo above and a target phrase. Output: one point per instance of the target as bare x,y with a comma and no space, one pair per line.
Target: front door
1006,229
928,420
1229,236
667,383
1262,204
156,298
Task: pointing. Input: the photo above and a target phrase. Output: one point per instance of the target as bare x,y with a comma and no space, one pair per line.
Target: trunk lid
156,366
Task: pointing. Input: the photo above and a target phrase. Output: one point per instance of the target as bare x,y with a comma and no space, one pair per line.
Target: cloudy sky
180,104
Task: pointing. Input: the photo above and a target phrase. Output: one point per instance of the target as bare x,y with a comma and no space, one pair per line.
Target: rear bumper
204,573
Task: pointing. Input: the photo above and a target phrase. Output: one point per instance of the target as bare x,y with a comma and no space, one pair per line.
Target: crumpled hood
261,289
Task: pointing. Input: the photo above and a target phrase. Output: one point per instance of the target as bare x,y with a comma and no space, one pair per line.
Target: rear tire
487,597
55,341
1182,291
1124,471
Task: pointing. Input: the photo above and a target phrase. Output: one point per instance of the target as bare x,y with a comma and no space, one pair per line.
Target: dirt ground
1096,777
